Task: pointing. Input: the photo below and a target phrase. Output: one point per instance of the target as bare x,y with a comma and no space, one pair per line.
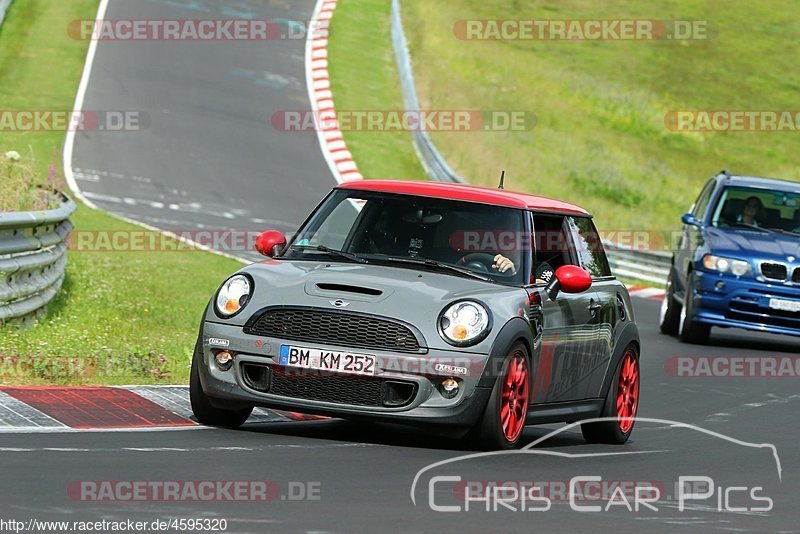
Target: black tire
670,309
691,331
612,432
488,433
203,410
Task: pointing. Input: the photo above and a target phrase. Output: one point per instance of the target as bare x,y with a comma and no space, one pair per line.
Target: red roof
464,192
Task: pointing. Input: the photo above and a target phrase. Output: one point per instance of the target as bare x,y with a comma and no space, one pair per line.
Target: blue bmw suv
737,263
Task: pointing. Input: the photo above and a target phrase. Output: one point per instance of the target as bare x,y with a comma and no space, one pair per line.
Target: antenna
502,180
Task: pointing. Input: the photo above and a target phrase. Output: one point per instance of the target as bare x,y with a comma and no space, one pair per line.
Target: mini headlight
233,295
464,323
727,265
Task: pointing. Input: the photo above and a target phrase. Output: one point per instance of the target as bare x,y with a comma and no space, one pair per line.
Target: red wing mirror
569,279
270,243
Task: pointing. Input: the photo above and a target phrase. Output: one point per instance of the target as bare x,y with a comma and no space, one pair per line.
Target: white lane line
103,198
87,177
69,143
191,207
269,447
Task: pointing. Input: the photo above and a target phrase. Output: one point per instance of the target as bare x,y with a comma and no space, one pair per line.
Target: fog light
449,388
224,360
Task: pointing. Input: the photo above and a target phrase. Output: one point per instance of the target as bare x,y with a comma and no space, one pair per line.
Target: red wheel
503,420
628,392
622,403
514,398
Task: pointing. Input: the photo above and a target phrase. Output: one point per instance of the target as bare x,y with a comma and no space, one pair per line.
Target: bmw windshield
756,208
458,238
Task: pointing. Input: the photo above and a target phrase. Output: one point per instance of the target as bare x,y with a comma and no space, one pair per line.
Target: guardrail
3,7
435,165
651,267
33,257
636,265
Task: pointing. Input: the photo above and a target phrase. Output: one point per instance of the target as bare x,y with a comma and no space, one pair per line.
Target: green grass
600,138
121,317
40,68
364,77
22,188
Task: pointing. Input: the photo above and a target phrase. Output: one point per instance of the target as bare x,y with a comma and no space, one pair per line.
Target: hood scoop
347,290
343,288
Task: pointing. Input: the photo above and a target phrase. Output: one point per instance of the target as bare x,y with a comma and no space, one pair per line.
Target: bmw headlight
464,323
233,295
727,265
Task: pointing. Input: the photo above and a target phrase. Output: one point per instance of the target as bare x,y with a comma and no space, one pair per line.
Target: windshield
458,238
758,208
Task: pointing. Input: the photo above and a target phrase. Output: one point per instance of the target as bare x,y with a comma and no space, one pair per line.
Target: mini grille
338,328
774,271
796,277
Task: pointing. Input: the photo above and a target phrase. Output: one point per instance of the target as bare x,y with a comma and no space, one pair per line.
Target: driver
544,271
503,264
753,208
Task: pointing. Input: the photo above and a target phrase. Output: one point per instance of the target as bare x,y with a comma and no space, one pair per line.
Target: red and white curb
651,293
331,139
54,408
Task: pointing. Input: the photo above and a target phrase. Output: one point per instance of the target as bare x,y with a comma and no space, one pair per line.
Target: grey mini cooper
468,311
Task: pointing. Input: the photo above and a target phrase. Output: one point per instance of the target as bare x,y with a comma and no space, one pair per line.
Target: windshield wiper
432,264
787,232
749,226
331,251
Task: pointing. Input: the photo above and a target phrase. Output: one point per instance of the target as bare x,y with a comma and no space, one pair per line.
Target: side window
588,247
551,246
701,205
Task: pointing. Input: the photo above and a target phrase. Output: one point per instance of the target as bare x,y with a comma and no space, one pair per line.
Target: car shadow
754,341
387,434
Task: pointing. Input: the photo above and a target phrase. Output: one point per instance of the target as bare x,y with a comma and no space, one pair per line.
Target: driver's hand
503,264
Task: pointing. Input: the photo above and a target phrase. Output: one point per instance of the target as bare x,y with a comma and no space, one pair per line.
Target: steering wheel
482,262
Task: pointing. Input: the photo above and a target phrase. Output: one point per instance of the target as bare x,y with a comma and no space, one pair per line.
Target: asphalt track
206,156
209,159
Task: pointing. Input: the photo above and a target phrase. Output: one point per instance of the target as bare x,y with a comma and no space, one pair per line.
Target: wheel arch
627,337
514,331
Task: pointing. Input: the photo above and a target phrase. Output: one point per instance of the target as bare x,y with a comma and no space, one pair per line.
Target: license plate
785,305
326,360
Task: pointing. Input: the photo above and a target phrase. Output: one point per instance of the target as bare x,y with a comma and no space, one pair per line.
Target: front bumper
742,303
427,407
